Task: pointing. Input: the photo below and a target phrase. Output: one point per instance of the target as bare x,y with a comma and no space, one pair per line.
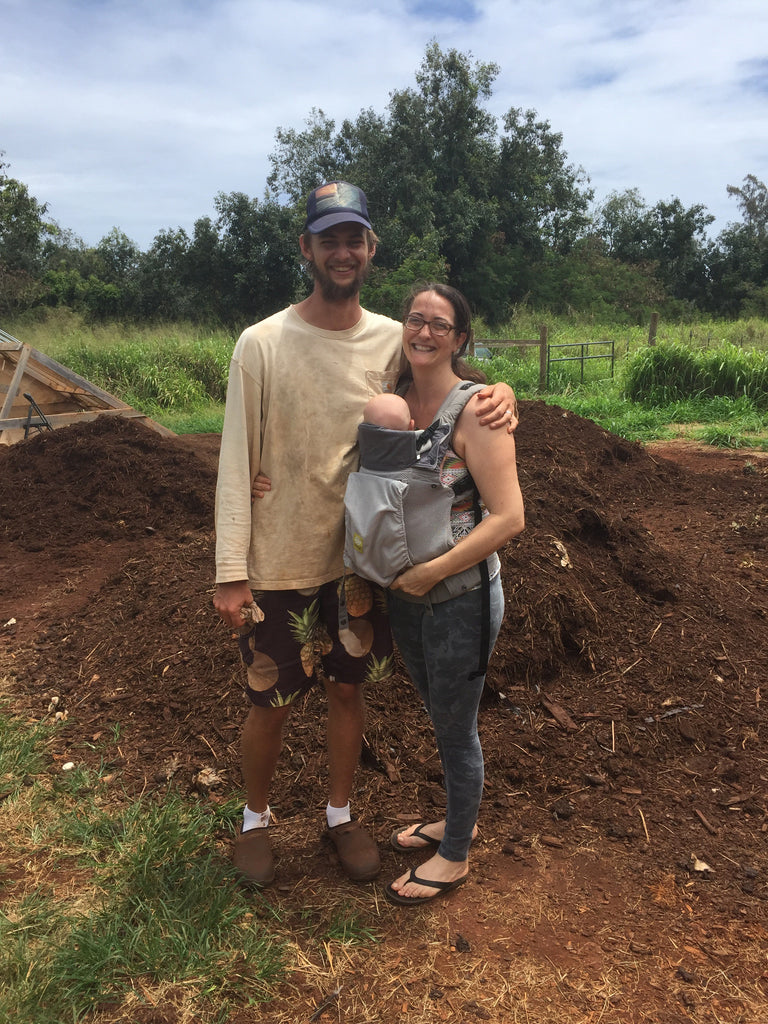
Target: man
298,383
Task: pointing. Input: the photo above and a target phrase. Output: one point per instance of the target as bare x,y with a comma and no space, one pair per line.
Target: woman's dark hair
462,316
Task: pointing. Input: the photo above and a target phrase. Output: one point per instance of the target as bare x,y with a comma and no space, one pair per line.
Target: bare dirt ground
621,873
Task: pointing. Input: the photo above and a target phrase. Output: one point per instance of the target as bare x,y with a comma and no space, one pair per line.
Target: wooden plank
15,385
521,343
49,372
49,398
543,357
507,342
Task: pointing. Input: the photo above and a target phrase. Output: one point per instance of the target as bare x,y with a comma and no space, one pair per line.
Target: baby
388,410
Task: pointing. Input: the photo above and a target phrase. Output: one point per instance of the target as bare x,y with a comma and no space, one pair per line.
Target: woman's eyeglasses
438,328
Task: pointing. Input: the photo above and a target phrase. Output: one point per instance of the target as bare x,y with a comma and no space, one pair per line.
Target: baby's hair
388,410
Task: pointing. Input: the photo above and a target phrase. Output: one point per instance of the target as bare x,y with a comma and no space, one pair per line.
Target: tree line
491,206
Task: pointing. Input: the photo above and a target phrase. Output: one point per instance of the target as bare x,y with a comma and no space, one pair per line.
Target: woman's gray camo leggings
440,646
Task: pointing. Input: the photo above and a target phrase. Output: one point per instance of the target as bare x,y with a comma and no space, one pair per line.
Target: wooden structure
654,326
37,394
541,343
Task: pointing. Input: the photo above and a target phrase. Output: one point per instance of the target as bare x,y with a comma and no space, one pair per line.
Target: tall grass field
707,380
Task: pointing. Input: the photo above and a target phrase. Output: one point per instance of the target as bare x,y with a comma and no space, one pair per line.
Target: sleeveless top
454,474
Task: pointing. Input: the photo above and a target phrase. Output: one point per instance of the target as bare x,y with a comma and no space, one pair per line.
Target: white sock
337,815
255,819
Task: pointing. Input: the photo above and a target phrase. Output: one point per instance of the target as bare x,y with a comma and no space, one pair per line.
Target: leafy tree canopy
436,165
23,225
752,198
491,205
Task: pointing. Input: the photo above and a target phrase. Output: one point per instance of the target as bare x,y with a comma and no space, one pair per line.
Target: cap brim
330,220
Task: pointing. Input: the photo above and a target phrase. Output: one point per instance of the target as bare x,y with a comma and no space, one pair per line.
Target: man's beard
333,292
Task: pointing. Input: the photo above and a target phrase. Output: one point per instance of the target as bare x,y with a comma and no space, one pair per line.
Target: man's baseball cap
336,202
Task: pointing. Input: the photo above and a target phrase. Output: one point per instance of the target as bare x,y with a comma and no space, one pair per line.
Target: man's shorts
299,639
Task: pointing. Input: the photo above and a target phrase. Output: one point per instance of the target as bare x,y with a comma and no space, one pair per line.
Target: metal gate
584,353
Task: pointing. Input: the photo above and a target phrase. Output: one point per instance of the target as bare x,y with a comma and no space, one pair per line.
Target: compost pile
624,696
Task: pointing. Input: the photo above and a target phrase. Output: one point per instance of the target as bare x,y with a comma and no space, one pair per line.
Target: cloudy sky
135,113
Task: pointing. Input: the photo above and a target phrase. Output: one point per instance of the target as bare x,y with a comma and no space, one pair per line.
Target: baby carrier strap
436,437
455,403
485,601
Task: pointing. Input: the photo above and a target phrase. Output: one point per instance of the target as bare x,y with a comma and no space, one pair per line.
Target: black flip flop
419,833
415,901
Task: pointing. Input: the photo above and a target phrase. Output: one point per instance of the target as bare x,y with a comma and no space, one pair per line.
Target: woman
439,641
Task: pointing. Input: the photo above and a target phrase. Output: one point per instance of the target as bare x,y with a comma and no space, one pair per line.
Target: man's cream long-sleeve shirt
295,398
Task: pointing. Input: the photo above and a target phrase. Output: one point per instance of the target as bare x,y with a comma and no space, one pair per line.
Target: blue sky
135,113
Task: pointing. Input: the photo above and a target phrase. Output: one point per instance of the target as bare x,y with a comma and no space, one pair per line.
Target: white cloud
135,114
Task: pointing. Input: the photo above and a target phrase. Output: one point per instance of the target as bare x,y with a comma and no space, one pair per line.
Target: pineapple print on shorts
262,670
379,669
358,637
312,637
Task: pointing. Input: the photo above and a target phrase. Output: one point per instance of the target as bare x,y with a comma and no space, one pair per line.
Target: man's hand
229,599
261,484
497,407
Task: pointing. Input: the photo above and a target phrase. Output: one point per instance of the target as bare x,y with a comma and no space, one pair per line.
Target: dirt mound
111,478
623,701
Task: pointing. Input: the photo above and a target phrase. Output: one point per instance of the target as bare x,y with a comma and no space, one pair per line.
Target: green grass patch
205,418
121,904
348,929
21,753
728,437
171,913
150,903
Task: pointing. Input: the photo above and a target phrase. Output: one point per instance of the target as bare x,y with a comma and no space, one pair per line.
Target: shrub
668,372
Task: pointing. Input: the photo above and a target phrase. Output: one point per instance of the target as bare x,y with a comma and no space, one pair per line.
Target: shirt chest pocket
377,381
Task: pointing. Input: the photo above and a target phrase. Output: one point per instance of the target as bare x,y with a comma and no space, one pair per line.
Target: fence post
543,358
652,328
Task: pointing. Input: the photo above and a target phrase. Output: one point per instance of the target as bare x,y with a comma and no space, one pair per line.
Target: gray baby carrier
397,510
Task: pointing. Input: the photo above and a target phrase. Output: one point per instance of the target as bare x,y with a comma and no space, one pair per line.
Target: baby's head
388,410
